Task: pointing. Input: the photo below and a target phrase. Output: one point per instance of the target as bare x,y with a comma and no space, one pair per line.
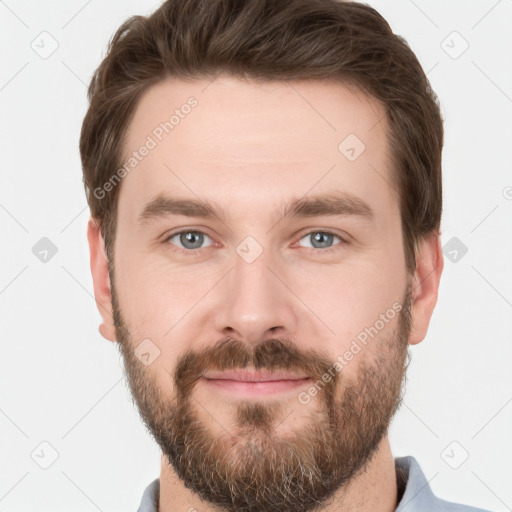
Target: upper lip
253,376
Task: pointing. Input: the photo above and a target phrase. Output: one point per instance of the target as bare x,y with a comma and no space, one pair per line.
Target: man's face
251,288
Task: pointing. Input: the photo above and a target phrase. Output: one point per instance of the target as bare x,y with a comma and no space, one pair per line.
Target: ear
425,286
101,280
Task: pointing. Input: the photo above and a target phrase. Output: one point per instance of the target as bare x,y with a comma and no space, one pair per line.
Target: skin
250,148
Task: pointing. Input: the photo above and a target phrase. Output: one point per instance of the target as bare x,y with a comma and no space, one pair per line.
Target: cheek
360,305
351,294
151,292
158,304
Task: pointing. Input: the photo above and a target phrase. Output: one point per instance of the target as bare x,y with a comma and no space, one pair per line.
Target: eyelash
343,242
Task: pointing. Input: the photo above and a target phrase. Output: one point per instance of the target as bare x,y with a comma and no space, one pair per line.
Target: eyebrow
332,204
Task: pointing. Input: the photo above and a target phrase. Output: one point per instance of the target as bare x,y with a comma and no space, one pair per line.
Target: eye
192,240
189,239
323,240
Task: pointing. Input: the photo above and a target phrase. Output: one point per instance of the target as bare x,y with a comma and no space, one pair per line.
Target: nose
254,301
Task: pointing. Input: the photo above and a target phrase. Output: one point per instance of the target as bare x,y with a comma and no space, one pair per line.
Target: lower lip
256,388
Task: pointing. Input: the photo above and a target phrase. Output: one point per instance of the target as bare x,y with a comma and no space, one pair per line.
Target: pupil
325,236
189,238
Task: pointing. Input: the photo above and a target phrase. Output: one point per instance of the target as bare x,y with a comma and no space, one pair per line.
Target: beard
247,466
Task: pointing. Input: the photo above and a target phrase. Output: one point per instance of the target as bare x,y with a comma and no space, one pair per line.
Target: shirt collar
417,493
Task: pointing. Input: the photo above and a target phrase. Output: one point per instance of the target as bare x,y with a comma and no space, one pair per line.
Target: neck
374,489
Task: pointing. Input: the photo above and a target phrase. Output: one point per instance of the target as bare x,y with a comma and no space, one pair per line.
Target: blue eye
189,239
322,240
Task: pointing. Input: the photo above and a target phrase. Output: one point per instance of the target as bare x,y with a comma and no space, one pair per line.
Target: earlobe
425,286
101,280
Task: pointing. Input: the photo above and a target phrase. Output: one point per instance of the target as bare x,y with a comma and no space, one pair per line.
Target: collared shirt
417,494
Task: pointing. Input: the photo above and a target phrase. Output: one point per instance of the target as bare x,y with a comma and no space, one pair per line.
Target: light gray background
62,383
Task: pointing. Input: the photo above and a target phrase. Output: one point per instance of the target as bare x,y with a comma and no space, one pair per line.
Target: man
264,181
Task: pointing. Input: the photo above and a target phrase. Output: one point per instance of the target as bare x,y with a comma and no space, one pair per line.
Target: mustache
232,354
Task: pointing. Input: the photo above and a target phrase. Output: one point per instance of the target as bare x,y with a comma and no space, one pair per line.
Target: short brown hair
268,41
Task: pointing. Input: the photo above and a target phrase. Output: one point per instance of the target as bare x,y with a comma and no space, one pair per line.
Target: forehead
254,144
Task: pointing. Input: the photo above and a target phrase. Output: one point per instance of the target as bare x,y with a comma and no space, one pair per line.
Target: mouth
253,376
246,382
